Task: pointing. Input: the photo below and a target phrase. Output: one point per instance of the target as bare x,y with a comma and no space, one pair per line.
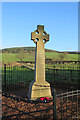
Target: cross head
40,35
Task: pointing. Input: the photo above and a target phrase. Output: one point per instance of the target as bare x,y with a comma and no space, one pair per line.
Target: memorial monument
39,87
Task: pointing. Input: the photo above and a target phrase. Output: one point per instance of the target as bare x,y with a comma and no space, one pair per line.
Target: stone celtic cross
40,37
39,87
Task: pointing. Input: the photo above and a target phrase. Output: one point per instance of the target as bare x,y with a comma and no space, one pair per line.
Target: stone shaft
39,87
40,62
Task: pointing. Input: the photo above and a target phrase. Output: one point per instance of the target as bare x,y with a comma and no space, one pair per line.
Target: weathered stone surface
39,87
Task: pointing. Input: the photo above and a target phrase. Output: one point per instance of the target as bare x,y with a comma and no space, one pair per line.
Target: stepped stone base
39,89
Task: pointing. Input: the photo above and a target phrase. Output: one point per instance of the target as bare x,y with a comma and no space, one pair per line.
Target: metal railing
21,75
62,106
67,105
28,108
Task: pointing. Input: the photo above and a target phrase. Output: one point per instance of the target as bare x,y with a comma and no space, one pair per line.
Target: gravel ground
19,108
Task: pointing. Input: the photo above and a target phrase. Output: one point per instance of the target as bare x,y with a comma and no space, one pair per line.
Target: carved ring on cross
35,40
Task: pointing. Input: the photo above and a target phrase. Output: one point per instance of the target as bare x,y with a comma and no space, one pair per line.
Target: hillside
27,54
31,49
23,49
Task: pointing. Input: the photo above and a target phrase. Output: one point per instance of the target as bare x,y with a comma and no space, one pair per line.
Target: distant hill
18,50
23,49
27,54
30,50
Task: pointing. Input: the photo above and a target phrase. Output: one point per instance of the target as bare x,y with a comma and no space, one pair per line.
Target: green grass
8,57
26,75
56,56
51,55
12,57
16,75
68,66
73,57
63,76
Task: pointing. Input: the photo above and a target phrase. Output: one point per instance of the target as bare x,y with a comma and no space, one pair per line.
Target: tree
62,56
21,56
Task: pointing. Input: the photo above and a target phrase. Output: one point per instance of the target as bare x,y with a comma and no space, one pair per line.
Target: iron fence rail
37,104
68,94
21,75
69,105
65,106
67,75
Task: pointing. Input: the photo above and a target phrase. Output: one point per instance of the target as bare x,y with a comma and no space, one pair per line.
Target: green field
56,56
12,57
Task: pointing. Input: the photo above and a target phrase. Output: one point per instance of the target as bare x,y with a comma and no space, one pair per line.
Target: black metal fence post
70,75
54,105
4,75
55,74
